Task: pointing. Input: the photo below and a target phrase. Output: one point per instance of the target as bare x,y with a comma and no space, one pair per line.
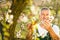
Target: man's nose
45,16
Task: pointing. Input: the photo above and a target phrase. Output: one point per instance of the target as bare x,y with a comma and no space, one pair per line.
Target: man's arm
52,34
48,27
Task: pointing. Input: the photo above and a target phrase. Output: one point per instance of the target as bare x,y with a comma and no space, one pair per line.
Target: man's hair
45,8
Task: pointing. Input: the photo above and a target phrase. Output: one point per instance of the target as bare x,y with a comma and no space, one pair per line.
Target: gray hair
44,8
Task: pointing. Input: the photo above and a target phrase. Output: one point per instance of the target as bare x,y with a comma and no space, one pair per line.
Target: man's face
44,15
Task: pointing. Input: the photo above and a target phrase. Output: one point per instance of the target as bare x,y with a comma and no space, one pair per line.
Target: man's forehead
45,11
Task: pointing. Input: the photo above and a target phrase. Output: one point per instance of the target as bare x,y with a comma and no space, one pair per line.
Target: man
45,29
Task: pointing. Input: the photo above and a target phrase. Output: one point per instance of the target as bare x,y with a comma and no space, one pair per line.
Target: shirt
43,32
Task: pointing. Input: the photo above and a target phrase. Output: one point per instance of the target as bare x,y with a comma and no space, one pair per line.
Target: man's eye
47,14
42,14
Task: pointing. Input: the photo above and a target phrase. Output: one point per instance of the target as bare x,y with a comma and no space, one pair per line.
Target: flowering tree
17,7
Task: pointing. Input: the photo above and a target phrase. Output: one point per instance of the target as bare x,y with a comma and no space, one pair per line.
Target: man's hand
46,24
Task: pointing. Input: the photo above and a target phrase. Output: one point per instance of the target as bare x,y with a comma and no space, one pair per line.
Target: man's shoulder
55,26
56,29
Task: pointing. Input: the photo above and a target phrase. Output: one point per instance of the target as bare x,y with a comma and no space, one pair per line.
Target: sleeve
56,29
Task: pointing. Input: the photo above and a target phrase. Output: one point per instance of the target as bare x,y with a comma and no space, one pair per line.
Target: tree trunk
17,7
